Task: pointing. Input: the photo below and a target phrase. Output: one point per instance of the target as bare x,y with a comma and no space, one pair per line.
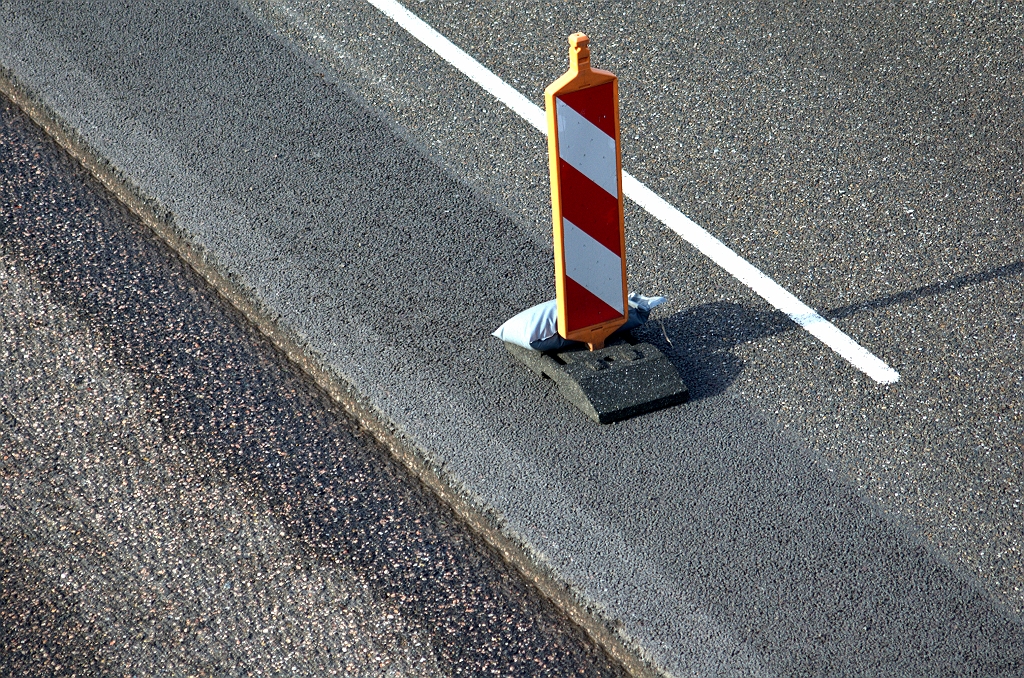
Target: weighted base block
612,383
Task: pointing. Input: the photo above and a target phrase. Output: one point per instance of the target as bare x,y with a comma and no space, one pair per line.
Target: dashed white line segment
655,205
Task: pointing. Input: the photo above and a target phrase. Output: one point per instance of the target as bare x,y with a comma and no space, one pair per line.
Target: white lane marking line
749,275
595,267
472,68
707,244
586,147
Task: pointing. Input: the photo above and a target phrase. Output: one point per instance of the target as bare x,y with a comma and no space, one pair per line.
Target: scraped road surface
174,499
795,518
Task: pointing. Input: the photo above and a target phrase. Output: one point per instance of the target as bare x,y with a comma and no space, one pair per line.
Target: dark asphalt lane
176,500
794,518
867,157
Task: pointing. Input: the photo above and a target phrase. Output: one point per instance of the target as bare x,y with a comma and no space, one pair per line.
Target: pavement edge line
603,631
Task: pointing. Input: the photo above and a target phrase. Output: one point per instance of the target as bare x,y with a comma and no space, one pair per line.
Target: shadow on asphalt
1009,270
700,340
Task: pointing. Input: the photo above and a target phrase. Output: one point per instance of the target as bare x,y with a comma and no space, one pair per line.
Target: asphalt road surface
795,518
176,500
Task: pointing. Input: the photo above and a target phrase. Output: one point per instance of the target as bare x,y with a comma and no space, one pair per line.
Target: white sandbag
537,327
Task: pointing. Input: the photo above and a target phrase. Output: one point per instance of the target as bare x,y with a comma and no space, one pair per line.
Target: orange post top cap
579,51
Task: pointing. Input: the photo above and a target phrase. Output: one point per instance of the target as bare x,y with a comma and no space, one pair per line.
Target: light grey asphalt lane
794,518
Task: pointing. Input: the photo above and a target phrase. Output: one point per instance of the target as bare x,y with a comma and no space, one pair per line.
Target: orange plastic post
572,193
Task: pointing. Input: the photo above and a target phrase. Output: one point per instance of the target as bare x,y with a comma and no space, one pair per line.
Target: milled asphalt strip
375,422
655,205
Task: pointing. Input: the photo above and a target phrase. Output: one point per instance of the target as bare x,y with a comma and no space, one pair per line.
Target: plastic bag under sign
537,327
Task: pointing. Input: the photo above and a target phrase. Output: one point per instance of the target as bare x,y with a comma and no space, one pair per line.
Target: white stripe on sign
654,204
586,147
592,265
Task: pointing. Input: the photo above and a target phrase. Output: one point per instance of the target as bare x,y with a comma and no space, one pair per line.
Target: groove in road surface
174,497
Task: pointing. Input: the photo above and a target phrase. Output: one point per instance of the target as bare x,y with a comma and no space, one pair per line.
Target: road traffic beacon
626,377
586,198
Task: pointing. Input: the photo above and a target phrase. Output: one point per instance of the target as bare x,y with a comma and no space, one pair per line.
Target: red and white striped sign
586,192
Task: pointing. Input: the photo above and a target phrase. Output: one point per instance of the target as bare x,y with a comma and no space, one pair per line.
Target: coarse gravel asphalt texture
794,518
176,500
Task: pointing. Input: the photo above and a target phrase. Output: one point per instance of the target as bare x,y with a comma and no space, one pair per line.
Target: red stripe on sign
596,104
583,309
590,207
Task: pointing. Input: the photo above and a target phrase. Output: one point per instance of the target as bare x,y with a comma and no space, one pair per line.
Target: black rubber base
612,383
